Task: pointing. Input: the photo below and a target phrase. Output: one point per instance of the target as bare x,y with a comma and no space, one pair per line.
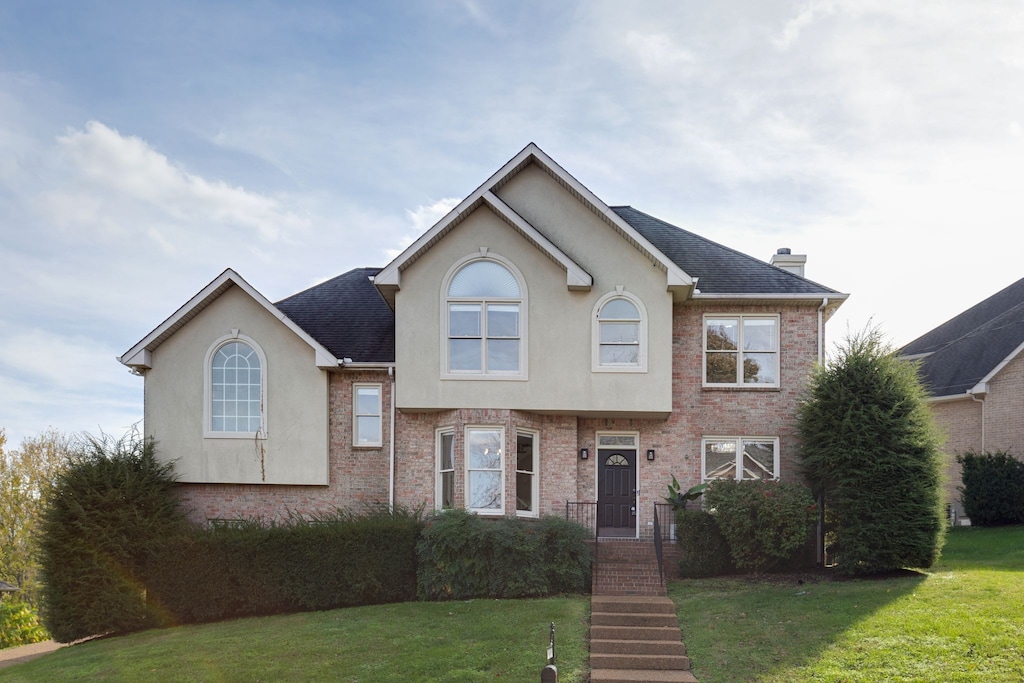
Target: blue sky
145,147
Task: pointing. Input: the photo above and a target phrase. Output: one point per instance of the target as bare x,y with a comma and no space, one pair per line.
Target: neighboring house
974,370
533,348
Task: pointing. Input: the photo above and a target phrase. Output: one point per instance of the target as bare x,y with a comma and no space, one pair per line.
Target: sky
147,146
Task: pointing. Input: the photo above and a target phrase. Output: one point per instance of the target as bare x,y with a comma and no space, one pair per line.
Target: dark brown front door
616,486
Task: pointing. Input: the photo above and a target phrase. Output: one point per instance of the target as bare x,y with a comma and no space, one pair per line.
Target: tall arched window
485,324
620,333
235,404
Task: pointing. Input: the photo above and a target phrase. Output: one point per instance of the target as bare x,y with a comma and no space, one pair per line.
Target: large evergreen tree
871,448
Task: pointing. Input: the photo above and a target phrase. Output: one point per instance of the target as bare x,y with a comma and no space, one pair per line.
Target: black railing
667,514
658,551
583,513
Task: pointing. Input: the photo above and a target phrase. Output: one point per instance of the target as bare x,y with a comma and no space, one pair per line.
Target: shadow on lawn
740,627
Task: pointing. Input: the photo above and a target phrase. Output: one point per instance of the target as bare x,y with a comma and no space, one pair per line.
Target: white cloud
658,54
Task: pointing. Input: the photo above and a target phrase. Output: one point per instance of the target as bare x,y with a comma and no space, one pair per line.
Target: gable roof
390,278
720,270
139,356
964,353
348,316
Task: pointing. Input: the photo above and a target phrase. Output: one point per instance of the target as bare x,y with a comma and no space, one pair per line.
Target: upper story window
619,334
235,388
741,350
485,331
740,458
366,417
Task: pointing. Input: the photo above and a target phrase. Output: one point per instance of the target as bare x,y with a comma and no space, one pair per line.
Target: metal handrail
658,551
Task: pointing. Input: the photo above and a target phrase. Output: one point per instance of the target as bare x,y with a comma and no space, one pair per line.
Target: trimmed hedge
993,490
703,550
462,555
335,561
767,524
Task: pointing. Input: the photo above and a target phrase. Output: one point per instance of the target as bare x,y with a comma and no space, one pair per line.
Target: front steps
626,567
636,638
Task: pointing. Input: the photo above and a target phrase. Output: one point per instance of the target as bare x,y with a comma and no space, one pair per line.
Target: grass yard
477,640
962,621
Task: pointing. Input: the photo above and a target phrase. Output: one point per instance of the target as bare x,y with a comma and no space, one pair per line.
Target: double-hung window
485,470
444,496
485,326
740,458
620,332
366,415
526,474
741,350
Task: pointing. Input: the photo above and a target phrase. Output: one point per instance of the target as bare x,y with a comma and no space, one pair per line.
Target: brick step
634,633
633,619
620,604
640,676
637,647
638,661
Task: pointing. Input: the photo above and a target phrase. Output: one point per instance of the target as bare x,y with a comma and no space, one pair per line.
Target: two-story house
534,348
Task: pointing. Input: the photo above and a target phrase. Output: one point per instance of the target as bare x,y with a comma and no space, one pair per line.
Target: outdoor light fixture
650,454
584,454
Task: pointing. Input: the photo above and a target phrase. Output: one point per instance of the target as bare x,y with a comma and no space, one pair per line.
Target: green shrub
703,550
461,555
870,447
993,488
106,514
19,624
335,560
767,524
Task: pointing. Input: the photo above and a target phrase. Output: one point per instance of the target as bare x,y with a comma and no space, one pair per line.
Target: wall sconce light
584,454
650,454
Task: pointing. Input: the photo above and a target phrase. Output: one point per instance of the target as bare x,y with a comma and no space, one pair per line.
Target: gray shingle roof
347,315
964,350
721,270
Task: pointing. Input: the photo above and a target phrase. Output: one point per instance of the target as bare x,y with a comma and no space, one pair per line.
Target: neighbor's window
235,390
619,334
740,458
526,474
444,496
485,470
741,350
484,304
366,418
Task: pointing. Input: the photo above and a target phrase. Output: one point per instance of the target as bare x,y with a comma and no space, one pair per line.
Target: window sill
248,436
740,387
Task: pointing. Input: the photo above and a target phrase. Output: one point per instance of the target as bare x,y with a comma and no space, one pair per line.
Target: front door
616,486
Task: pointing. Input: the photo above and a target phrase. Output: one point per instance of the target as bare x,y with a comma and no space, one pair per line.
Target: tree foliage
105,515
993,490
871,447
25,476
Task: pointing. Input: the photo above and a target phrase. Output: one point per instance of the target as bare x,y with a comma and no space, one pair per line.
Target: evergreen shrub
767,524
19,624
461,555
993,488
703,550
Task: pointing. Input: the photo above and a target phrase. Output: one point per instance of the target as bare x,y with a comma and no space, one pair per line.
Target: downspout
974,397
391,454
821,331
820,545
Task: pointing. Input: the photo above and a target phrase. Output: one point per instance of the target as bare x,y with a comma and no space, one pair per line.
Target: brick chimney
786,260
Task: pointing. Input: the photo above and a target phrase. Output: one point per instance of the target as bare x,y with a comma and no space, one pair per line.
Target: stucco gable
138,357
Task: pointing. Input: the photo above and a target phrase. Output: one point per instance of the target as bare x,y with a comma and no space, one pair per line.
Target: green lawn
961,621
477,640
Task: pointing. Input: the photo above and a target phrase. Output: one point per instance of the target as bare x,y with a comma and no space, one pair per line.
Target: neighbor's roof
964,353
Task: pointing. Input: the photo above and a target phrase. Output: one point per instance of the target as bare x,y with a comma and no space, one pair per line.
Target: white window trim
738,440
740,317
595,334
598,447
438,471
500,511
535,475
486,255
208,433
356,386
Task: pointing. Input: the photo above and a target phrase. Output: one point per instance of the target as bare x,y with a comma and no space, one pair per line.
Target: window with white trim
444,495
526,473
619,333
485,470
367,427
743,457
235,405
484,302
741,350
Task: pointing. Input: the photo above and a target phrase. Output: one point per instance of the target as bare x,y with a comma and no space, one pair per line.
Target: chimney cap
784,250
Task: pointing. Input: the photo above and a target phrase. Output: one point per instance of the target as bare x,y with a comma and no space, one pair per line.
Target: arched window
236,382
485,332
620,332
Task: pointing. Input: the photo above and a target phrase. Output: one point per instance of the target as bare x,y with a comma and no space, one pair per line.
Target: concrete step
640,676
645,662
637,604
670,633
632,619
638,647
